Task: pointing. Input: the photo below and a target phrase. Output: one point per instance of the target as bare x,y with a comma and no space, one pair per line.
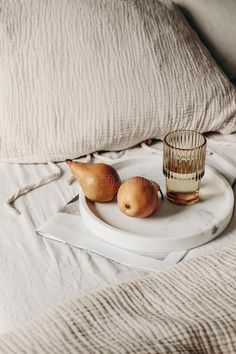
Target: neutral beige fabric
85,75
191,308
214,21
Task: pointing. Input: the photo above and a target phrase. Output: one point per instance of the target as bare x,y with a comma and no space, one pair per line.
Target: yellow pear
137,196
100,182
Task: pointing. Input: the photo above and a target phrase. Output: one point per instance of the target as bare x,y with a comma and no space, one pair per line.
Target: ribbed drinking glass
184,154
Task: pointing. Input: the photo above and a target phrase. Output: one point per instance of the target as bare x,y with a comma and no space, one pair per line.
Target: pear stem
162,195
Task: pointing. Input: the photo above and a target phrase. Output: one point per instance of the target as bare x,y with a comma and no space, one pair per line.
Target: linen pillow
79,76
214,21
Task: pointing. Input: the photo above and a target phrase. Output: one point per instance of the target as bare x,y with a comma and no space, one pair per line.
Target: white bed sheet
35,273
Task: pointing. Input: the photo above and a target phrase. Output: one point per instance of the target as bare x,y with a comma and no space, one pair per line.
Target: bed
36,274
65,93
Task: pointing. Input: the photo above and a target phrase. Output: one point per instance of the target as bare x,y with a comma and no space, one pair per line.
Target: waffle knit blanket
191,308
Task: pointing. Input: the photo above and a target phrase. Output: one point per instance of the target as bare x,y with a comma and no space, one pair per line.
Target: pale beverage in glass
184,154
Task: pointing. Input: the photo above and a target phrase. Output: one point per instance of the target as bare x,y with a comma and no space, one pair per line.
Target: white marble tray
171,227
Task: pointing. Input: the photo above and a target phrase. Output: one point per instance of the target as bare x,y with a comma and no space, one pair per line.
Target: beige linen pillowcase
80,76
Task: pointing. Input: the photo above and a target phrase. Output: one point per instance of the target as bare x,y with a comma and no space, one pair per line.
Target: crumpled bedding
36,274
189,308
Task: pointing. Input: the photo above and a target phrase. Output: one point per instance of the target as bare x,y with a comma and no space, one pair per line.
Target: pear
137,196
100,182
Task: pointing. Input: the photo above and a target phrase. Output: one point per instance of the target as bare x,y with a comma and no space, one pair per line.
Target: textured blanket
191,308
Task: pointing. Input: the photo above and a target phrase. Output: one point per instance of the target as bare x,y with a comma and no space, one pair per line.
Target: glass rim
185,130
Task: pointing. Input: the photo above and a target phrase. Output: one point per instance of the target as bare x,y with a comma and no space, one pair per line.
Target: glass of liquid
184,154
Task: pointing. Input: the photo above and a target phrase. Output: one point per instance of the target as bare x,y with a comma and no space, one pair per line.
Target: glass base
180,198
